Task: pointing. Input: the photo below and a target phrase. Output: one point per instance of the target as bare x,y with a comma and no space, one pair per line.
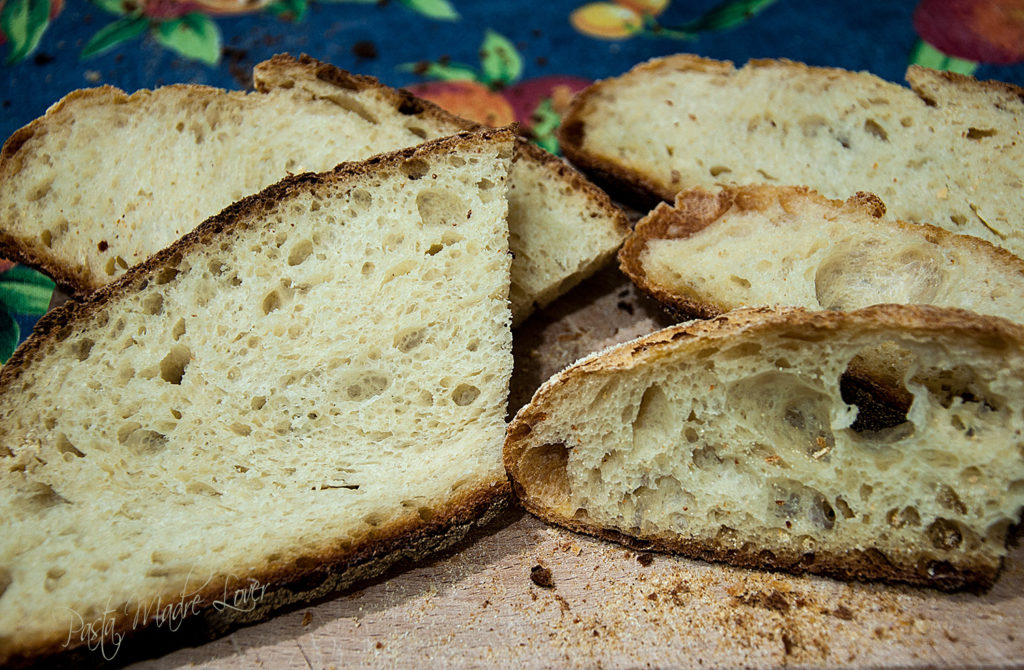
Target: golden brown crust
638,189
73,280
60,322
624,184
697,208
408,104
868,564
311,575
320,570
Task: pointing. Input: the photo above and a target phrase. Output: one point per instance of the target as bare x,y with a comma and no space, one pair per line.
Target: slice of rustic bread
730,440
750,246
948,150
105,179
306,388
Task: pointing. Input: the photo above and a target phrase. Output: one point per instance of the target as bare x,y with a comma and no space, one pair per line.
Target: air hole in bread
43,496
141,441
717,170
109,266
6,579
52,580
366,385
153,304
64,446
946,534
863,274
39,191
374,519
908,516
872,127
435,249
46,237
201,488
958,219
271,302
740,281
178,329
403,268
349,103
258,402
465,394
173,365
167,273
801,507
81,348
547,466
417,131
415,168
408,339
241,429
980,133
300,252
810,126
439,207
367,268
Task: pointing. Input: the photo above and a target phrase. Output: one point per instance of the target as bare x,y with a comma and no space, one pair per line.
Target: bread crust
696,209
865,564
311,575
319,570
636,188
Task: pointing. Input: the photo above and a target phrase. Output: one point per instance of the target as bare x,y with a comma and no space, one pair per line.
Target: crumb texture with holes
87,220
749,246
322,367
948,150
735,440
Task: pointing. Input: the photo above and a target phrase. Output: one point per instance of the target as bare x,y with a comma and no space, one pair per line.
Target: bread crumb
541,576
307,618
645,559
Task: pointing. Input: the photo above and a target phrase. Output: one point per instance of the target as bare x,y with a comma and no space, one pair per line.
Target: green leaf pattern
24,22
194,35
22,291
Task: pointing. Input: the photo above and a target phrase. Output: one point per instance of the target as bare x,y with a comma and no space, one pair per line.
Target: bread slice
948,151
730,440
105,179
306,388
748,246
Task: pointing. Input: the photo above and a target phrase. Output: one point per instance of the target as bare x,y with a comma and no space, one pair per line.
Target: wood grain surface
611,607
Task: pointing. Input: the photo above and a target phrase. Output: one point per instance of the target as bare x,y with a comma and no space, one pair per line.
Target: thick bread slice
729,440
104,179
948,151
751,246
307,387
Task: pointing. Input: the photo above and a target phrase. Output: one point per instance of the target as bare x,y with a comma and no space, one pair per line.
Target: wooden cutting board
607,606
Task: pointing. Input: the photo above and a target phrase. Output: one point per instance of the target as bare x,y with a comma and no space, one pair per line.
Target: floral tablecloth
495,62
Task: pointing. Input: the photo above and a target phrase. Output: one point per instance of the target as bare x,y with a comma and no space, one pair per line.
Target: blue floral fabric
494,61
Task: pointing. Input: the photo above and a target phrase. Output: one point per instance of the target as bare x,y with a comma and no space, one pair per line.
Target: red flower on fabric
986,31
